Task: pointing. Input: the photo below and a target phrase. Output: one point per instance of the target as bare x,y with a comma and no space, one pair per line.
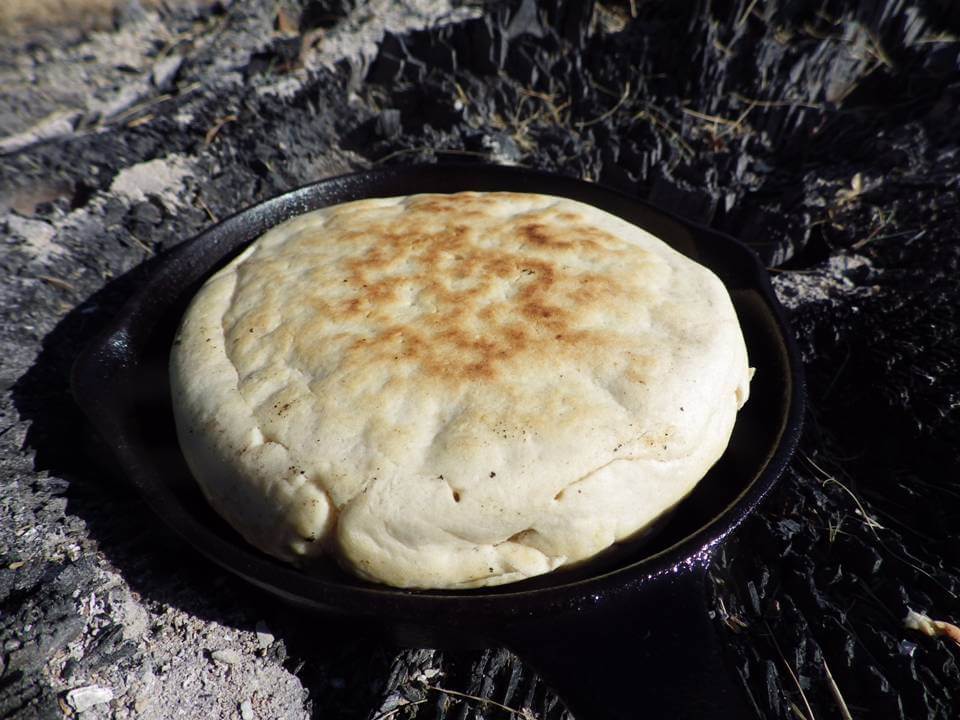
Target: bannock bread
453,391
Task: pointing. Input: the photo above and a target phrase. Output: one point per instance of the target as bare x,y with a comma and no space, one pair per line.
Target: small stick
146,248
685,148
708,118
142,120
525,713
608,113
206,209
868,519
57,282
844,712
439,151
746,13
212,132
134,109
796,680
776,103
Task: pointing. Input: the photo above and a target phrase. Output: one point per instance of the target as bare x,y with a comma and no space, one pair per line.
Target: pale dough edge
291,516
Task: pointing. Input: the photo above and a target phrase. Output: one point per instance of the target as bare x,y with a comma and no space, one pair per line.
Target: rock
147,212
84,698
141,703
226,657
163,177
264,636
246,710
165,71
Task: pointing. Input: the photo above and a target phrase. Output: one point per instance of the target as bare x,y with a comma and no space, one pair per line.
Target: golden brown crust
488,301
455,390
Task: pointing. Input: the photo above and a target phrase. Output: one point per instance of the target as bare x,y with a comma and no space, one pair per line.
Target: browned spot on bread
446,285
539,235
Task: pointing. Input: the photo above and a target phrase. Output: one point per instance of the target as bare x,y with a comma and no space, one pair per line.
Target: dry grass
835,691
523,713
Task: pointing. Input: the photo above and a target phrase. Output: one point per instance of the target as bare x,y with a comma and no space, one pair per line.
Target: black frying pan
624,636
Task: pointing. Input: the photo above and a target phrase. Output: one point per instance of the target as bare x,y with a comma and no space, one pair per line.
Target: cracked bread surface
453,391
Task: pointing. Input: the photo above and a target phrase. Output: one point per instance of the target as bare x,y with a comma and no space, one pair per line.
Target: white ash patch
265,638
182,663
503,149
359,34
162,177
183,118
165,70
57,124
76,79
284,87
831,280
83,698
186,675
37,237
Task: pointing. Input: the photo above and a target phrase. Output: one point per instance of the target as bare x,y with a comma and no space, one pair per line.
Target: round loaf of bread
452,391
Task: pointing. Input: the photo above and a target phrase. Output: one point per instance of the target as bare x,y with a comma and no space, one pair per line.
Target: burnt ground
824,134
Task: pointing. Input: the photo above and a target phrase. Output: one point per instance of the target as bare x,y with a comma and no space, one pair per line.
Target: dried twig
206,209
875,49
146,248
868,519
776,103
664,125
438,151
524,713
217,126
935,39
837,695
122,117
56,282
709,118
884,221
550,101
746,13
873,525
793,675
611,111
142,120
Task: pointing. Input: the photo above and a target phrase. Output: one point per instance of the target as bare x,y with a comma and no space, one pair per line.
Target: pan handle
650,652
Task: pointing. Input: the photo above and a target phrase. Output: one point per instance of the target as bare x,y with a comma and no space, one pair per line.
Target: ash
823,135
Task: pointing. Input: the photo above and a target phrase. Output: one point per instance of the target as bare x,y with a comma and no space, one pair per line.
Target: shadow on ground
158,565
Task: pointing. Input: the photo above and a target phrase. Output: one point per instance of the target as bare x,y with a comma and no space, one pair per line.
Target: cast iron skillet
625,635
